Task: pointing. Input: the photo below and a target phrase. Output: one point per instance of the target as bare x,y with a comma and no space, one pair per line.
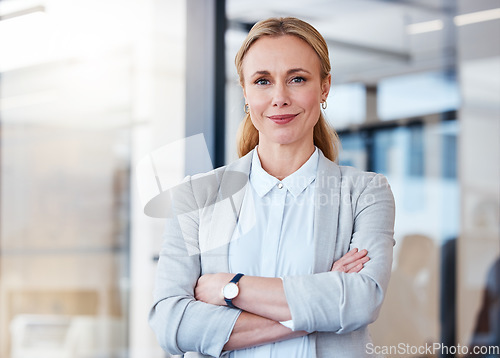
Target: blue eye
298,79
262,81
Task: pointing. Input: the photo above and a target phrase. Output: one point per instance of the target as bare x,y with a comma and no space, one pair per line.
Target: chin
288,137
282,139
285,141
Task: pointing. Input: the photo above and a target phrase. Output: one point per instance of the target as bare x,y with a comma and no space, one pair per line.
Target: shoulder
368,189
351,172
240,165
225,180
361,182
333,175
359,179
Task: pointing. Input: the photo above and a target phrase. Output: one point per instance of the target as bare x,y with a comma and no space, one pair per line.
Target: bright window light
23,40
422,27
25,18
475,17
460,20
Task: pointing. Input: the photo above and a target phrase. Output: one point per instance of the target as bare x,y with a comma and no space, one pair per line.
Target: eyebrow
289,72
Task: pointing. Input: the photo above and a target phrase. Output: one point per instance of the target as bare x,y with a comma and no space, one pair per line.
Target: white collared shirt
274,238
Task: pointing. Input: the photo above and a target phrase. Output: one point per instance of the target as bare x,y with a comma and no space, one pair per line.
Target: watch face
230,291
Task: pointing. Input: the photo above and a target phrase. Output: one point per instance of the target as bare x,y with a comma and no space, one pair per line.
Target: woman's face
283,89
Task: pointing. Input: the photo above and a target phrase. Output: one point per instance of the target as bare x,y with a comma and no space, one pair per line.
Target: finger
356,268
346,257
337,266
356,263
350,258
361,253
346,260
351,252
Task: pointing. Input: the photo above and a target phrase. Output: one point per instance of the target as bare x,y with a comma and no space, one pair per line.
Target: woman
293,230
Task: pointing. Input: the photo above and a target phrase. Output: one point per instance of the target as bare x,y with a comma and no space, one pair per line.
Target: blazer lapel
326,214
225,214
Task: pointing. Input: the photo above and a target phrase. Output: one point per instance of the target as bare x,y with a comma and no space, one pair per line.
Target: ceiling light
475,17
422,27
23,12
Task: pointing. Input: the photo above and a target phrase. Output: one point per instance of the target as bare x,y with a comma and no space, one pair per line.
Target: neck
282,160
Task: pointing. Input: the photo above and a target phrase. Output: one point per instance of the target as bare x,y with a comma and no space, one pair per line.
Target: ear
325,86
244,94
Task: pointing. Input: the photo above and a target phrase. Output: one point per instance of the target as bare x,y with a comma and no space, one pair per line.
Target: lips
282,118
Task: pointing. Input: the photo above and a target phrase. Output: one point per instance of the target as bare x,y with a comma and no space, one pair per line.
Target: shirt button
280,185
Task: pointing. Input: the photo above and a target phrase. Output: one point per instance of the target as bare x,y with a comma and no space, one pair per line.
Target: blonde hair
325,138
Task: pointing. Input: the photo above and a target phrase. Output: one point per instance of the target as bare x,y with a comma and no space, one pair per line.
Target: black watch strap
235,279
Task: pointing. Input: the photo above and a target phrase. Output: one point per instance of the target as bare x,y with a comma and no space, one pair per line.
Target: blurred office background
88,88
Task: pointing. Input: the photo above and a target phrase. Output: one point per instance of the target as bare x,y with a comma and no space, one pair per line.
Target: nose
281,97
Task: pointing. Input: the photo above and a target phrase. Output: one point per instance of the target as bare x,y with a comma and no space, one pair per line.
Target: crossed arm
263,303
183,299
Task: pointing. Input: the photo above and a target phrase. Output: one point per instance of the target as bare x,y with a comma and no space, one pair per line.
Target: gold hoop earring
324,104
246,109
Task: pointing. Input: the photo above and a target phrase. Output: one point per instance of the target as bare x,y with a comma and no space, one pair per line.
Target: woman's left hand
209,288
352,262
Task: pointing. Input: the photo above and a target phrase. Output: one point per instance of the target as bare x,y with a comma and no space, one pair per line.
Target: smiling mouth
283,118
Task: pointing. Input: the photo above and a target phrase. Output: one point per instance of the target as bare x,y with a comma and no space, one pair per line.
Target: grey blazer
354,209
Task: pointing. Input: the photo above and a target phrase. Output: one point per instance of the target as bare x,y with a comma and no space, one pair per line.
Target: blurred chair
97,337
39,336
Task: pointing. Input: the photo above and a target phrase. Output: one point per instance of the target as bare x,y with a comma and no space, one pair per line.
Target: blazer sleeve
343,302
181,323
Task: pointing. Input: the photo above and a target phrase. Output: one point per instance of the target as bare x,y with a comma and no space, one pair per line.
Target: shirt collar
295,183
261,180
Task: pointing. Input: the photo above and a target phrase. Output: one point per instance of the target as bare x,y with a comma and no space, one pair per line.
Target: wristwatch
231,290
